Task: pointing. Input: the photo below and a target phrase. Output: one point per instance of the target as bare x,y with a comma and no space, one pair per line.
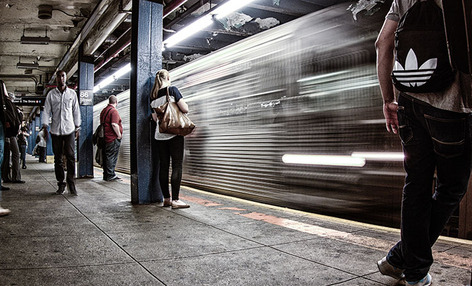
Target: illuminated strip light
357,159
317,77
323,160
205,21
380,156
119,73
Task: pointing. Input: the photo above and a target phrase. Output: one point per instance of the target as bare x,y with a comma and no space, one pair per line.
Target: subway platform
100,238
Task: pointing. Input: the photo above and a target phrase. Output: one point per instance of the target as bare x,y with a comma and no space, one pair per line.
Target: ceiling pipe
100,12
21,76
171,7
189,11
115,49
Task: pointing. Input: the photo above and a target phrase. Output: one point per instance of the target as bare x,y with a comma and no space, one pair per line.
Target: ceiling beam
108,14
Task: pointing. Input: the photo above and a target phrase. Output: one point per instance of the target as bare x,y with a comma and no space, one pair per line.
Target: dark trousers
155,192
111,151
42,154
6,176
433,140
64,145
172,149
23,154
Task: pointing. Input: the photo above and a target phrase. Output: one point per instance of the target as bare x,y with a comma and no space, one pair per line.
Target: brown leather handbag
172,120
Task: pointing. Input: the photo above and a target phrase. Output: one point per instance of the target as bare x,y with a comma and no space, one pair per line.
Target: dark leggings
171,149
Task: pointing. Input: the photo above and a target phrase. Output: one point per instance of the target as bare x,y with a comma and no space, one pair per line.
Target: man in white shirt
61,110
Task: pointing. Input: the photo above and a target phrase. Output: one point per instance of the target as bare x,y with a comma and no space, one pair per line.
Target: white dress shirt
61,112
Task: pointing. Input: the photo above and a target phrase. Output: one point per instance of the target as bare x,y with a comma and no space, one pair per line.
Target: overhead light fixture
35,40
229,7
205,21
27,65
119,73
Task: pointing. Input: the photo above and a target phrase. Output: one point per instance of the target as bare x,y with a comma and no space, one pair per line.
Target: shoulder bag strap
104,118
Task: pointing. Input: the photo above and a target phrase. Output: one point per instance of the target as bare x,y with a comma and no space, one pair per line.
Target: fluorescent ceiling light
205,21
229,7
188,31
119,73
323,160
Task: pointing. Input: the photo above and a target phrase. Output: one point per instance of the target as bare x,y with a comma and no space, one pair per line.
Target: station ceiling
37,37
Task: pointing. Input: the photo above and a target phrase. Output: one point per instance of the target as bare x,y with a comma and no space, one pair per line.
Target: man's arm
76,115
116,128
385,60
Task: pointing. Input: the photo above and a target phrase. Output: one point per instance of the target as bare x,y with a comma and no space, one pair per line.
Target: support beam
146,60
85,93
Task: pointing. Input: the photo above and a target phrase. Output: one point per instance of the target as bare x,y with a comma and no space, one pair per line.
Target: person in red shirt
113,134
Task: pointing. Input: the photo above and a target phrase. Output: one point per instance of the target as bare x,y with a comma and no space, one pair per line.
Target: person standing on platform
61,110
170,146
42,144
23,143
15,161
11,173
3,211
111,120
434,127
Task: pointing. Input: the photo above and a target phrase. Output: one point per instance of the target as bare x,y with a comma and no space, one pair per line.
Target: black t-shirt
173,91
21,139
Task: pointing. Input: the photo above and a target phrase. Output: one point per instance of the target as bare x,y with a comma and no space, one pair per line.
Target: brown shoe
167,202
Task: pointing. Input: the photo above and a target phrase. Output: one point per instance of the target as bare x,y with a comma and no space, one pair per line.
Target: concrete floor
100,238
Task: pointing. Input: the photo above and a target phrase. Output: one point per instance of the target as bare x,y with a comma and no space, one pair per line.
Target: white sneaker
426,281
178,204
4,212
387,269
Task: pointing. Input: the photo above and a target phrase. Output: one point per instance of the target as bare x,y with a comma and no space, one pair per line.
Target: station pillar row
146,60
85,93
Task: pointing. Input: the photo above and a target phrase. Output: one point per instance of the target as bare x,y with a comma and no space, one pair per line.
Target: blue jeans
433,140
111,157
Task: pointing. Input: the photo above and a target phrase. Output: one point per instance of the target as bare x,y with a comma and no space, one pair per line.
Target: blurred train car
293,117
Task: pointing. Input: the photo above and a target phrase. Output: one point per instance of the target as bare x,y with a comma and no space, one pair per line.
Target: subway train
293,117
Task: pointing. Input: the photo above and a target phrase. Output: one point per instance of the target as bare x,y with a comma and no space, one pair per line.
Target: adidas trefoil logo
411,75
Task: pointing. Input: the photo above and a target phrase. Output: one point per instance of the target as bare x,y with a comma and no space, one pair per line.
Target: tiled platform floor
100,238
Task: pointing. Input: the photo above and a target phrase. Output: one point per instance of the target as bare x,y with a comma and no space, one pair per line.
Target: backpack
12,117
98,137
421,54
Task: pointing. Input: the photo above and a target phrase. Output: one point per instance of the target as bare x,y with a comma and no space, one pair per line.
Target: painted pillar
85,93
146,60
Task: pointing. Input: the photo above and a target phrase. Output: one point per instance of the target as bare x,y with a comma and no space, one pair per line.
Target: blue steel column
146,60
85,93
